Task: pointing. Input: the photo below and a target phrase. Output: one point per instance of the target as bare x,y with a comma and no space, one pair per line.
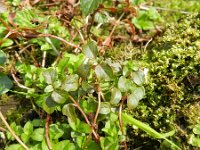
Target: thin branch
99,105
44,58
85,117
58,38
145,47
120,119
12,132
16,80
48,118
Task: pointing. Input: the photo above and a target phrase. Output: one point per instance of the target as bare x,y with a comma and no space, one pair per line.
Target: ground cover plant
79,85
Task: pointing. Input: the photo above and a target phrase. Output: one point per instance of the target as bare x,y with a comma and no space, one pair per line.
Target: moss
172,91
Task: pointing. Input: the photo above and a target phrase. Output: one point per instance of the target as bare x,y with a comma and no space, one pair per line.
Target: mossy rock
173,88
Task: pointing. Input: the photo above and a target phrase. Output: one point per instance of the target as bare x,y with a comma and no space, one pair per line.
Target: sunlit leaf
104,72
64,145
28,128
88,6
124,84
5,83
48,88
90,49
132,101
58,97
70,83
38,134
50,75
139,77
115,96
139,92
6,42
105,108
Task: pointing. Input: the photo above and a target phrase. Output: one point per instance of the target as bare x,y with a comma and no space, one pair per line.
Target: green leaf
48,89
5,83
132,121
3,58
50,75
124,84
49,105
62,65
69,111
101,18
196,129
14,147
103,72
139,77
70,83
23,18
64,145
55,132
132,101
109,143
38,134
90,49
88,6
116,96
92,146
28,128
6,43
58,97
139,92
84,70
50,102
25,138
105,108
83,127
194,141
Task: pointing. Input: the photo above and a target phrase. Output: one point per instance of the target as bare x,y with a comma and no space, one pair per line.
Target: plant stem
84,115
48,118
120,119
12,132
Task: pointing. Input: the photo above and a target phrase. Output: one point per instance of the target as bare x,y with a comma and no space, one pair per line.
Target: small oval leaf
132,101
58,97
105,108
5,83
90,49
116,96
70,83
139,77
69,111
3,58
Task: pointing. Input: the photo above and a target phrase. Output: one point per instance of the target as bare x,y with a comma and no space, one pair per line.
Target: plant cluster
77,95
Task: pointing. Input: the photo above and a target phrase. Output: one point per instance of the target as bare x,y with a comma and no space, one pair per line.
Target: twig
44,58
85,117
58,38
2,129
12,132
120,119
19,84
48,118
111,33
145,47
99,105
